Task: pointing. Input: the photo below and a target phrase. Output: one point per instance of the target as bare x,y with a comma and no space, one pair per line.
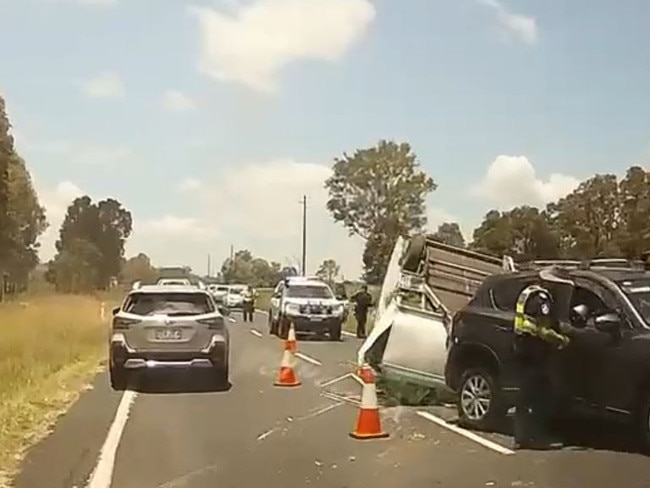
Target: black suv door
601,359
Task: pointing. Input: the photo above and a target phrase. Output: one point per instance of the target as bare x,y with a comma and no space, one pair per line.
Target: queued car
309,304
168,326
235,296
219,293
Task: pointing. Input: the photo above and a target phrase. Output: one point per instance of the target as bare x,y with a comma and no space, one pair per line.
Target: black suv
605,369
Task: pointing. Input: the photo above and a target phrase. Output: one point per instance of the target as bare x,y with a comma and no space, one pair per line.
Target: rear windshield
174,282
638,291
222,288
172,304
308,291
236,291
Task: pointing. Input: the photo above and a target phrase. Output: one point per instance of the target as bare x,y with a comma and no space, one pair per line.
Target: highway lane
180,434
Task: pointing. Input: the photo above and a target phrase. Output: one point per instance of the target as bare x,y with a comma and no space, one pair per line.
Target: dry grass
50,347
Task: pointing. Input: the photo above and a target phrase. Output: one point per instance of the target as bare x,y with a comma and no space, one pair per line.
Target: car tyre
283,328
221,376
119,377
480,400
335,332
414,252
273,327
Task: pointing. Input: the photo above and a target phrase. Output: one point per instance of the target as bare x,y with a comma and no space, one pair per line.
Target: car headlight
338,309
292,309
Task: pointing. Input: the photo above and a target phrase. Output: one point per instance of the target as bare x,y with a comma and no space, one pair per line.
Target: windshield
172,304
308,291
638,291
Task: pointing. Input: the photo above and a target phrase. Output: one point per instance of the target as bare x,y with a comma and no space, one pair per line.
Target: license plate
316,319
168,335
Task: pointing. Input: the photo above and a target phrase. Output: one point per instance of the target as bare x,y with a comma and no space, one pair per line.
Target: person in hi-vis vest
538,335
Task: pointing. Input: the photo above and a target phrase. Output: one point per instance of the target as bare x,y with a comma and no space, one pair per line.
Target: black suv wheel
335,332
480,401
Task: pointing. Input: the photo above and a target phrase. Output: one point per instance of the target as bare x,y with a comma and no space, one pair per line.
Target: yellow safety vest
525,325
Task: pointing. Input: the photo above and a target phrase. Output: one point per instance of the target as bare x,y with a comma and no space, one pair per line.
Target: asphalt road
170,432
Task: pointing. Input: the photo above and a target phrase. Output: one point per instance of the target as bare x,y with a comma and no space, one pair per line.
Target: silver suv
163,326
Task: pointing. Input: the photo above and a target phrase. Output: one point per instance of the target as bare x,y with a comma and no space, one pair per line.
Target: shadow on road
584,434
176,382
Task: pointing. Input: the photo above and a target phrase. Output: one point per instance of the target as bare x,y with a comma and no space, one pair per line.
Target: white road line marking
466,433
231,319
103,473
256,333
309,359
334,380
349,334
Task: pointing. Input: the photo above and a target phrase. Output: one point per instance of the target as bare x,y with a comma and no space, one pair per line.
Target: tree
74,269
7,228
379,193
22,219
634,226
138,268
103,228
328,270
523,232
449,233
588,219
247,269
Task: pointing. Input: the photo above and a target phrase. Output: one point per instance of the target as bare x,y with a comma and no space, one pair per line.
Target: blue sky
209,119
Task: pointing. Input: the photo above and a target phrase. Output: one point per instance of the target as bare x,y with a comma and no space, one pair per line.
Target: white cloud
512,181
177,227
521,26
178,101
85,153
189,184
108,84
56,202
252,43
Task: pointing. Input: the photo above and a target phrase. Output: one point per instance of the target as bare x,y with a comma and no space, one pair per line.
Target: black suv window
505,293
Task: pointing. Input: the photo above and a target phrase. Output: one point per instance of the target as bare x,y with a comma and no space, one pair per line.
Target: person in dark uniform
362,302
538,335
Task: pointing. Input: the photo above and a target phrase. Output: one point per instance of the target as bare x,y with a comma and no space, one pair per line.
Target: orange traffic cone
368,421
287,376
291,343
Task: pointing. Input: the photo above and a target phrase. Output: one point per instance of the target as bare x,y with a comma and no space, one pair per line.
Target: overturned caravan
425,284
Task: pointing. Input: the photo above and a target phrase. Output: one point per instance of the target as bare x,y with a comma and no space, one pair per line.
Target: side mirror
224,311
116,310
342,297
609,322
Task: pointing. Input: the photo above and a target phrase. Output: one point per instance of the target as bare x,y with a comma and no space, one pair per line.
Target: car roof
601,273
169,289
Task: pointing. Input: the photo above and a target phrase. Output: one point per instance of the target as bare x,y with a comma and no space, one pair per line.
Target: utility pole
209,268
231,263
304,235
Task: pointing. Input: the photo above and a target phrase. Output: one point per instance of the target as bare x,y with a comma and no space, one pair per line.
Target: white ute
426,282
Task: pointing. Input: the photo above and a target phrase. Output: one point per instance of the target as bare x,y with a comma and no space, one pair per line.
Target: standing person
248,304
537,338
362,303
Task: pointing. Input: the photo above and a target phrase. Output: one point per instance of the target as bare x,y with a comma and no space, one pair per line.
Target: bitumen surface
177,431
